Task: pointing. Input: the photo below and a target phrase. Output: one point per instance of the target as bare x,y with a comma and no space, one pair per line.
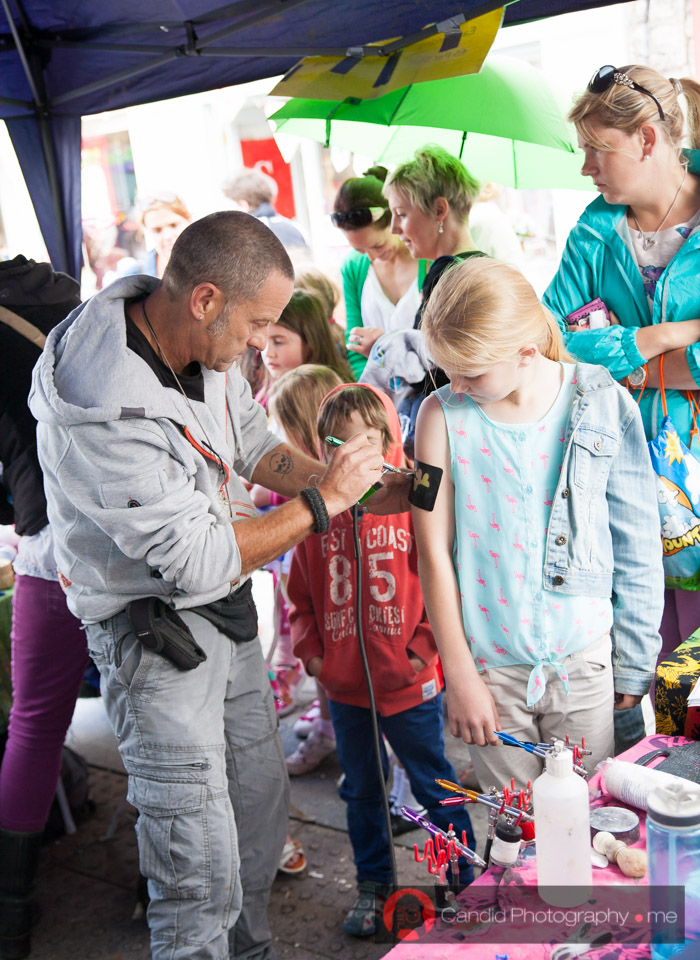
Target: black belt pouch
160,629
236,616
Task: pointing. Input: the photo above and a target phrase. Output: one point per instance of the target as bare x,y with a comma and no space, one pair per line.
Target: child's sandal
292,860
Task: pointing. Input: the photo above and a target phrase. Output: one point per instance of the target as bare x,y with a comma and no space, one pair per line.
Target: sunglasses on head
604,78
356,219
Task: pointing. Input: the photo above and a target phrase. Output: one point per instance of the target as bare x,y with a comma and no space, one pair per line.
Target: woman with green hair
430,198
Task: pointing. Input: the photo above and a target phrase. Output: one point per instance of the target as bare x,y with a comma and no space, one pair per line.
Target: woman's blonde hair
295,400
163,201
626,109
434,173
305,315
482,312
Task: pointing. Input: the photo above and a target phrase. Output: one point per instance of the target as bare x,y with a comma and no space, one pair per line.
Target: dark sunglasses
356,219
604,78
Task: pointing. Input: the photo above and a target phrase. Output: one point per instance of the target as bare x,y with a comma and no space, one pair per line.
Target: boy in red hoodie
400,649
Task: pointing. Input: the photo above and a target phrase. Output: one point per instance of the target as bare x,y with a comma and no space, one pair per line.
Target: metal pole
36,85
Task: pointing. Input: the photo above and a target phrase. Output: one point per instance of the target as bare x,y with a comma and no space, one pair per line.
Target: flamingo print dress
505,476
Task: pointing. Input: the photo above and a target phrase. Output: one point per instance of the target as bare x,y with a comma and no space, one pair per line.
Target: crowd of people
205,416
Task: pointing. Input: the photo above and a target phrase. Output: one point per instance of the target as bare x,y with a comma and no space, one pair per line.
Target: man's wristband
317,505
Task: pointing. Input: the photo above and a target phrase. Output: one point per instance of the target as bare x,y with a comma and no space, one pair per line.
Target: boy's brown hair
340,406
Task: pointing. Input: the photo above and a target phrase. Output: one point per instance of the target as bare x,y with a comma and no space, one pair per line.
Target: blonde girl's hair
625,108
434,173
295,399
305,315
312,280
482,312
338,409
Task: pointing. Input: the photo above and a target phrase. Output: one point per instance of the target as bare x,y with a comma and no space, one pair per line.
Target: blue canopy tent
61,59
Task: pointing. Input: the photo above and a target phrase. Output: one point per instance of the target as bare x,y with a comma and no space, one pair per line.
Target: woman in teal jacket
637,247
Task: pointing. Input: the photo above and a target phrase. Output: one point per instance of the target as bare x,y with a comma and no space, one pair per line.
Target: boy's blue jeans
416,737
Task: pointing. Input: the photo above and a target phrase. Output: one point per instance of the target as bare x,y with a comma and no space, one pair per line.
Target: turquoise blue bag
678,494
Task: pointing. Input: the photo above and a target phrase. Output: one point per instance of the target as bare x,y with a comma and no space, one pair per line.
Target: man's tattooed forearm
281,463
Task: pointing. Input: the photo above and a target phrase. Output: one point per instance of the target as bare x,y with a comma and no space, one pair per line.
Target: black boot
19,859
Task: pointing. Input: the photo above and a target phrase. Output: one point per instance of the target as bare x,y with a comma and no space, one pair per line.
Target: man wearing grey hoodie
146,427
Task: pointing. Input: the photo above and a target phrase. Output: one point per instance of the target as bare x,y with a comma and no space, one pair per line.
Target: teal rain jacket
598,263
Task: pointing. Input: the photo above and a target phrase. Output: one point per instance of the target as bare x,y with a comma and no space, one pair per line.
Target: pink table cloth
443,944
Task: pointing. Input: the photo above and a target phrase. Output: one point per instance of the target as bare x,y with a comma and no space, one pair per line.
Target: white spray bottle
562,831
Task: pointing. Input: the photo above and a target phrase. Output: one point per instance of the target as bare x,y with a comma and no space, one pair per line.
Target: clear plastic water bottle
673,848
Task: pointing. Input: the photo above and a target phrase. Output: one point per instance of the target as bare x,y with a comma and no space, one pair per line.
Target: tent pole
191,48
253,20
20,50
36,85
9,102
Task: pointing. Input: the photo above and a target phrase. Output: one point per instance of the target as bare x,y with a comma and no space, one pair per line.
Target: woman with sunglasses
381,280
637,247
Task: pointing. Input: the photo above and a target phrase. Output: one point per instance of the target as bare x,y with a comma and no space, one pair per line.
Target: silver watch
638,376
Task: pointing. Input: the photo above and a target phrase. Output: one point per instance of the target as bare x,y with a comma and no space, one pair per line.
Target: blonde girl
539,540
294,404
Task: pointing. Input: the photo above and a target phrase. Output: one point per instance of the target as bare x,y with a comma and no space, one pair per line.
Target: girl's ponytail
553,345
691,89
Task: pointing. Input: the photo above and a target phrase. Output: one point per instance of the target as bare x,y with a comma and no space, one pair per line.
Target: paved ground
87,885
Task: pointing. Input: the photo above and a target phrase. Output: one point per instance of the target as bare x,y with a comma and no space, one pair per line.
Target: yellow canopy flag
452,49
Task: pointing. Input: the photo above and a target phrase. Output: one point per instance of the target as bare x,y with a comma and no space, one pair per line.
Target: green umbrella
505,123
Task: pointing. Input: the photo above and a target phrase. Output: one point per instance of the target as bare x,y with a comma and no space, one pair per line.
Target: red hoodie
322,616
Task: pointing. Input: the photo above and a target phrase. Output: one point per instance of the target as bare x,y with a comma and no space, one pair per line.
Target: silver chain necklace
648,242
217,458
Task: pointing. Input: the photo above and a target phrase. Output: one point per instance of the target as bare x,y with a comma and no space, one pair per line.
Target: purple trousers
49,659
681,618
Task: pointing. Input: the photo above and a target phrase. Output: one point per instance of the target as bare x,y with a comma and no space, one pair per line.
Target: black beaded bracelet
317,505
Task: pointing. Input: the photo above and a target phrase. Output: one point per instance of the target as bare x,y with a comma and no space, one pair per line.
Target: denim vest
603,537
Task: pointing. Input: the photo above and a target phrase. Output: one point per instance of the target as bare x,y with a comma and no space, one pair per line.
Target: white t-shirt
378,310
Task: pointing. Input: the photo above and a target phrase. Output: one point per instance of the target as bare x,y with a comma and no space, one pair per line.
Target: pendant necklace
217,458
648,242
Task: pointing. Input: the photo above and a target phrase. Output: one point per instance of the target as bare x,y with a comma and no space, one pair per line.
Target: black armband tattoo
425,486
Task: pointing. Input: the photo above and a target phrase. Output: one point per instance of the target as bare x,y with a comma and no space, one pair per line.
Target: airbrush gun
445,837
